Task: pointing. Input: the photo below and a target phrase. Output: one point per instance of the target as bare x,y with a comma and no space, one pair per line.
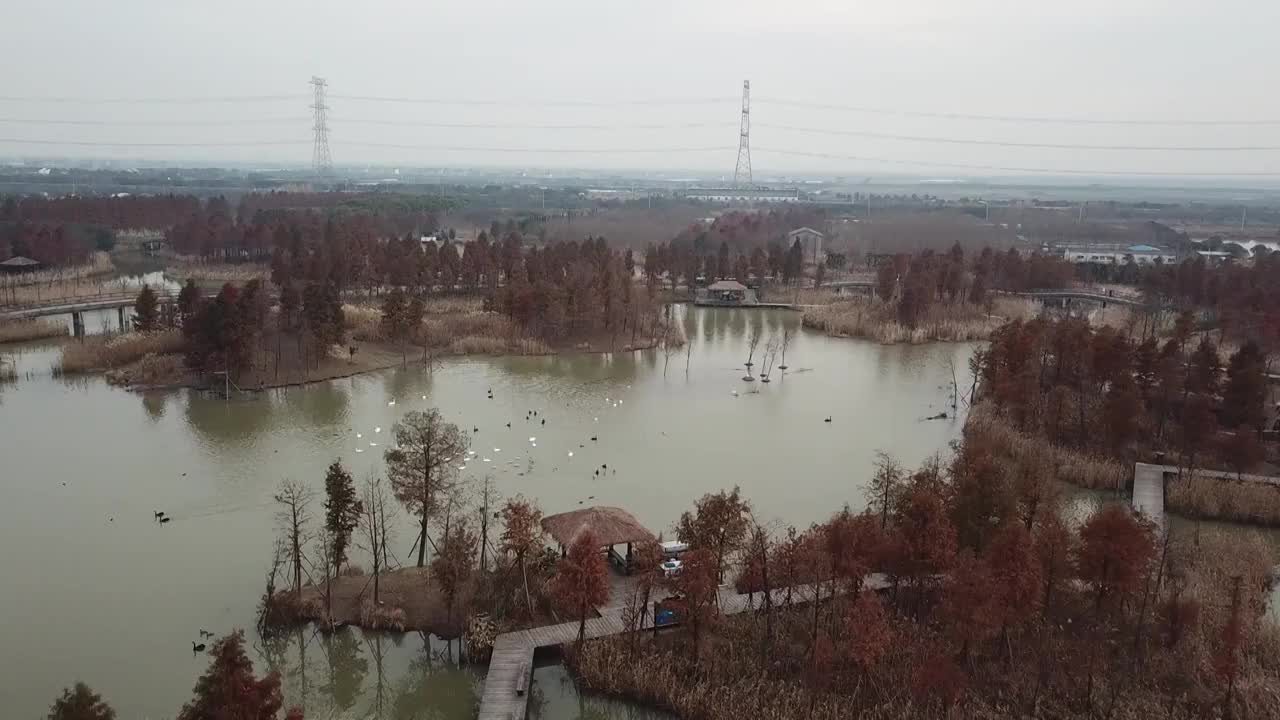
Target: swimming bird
195,648
570,453
390,403
159,514
475,429
593,438
604,465
164,519
377,429
205,633
828,419
544,421
508,424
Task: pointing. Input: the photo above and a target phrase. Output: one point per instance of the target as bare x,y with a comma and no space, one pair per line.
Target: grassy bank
408,601
875,320
1216,499
38,329
107,352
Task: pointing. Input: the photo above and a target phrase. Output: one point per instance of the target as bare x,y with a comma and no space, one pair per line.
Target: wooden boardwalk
1149,484
512,659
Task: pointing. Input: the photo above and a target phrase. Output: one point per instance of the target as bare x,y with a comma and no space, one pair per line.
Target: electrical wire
577,151
1002,168
1042,119
535,102
85,143
153,123
525,126
154,100
1015,144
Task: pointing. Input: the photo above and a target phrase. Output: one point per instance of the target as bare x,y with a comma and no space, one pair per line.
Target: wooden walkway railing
512,659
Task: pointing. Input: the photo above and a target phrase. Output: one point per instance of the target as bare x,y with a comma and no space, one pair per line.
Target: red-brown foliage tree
229,689
582,580
80,703
1115,547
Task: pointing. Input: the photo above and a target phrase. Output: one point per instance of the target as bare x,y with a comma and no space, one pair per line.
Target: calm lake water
93,589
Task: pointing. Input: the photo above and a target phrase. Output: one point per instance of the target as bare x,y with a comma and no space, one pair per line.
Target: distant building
1116,254
810,243
725,292
748,195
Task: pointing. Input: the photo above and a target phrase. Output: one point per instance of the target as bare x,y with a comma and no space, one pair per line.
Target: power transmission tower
742,172
320,156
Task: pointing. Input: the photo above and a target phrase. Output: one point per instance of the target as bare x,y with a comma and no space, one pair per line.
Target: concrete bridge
77,306
1094,296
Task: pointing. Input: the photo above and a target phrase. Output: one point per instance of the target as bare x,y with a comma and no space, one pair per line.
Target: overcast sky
1092,59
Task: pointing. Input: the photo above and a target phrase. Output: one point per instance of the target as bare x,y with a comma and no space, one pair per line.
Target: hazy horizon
495,77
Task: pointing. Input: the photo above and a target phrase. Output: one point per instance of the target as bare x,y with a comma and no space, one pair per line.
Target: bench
522,679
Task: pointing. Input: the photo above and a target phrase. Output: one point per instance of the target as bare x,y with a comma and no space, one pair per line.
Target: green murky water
93,589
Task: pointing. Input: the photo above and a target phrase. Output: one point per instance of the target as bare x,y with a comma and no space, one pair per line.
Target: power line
534,126
534,102
1059,120
602,151
154,100
1003,168
152,123
1015,144
85,143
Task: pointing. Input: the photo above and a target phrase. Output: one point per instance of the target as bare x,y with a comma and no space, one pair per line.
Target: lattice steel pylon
742,172
320,156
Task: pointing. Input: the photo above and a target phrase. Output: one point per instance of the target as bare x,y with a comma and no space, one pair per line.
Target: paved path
513,651
1149,482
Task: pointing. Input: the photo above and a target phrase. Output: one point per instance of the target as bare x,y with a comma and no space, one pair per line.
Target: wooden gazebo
611,526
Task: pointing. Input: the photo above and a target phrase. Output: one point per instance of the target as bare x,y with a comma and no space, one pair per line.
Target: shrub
152,369
381,617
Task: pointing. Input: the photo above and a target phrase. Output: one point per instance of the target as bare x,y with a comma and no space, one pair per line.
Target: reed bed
456,326
39,329
1086,469
1210,498
152,369
106,352
99,264
191,269
877,320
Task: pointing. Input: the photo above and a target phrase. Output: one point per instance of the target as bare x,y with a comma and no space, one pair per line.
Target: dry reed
456,326
1086,469
191,269
1208,498
22,330
877,320
104,352
99,264
152,369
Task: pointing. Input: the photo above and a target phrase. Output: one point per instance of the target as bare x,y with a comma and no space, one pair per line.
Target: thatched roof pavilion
611,526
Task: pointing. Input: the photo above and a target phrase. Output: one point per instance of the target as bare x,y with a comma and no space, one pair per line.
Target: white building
1115,255
747,195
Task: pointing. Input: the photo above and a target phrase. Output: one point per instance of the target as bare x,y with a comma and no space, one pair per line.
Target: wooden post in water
77,324
120,317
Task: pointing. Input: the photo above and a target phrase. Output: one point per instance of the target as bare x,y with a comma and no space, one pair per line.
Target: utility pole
320,157
742,171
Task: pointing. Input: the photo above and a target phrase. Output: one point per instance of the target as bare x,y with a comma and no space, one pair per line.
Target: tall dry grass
457,326
1211,498
105,352
205,272
152,369
36,329
99,263
1086,469
948,322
